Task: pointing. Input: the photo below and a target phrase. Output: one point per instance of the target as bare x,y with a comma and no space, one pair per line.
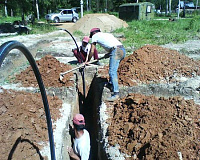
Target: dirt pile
50,69
155,64
106,22
155,128
23,124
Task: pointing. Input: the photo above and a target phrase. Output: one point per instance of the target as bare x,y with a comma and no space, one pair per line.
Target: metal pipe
4,50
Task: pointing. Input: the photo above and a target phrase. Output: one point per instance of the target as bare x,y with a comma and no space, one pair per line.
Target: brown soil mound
23,124
50,69
155,128
153,63
106,22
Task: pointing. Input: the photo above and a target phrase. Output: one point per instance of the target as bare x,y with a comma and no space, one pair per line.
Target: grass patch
9,19
39,28
159,32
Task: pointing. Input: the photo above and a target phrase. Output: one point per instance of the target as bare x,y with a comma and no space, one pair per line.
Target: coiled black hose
4,50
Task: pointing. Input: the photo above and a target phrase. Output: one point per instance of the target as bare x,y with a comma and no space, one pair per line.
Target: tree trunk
197,3
106,6
97,6
87,4
170,7
37,8
178,8
166,12
184,9
11,12
81,3
90,4
6,12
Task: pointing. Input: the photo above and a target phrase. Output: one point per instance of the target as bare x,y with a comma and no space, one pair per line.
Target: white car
63,15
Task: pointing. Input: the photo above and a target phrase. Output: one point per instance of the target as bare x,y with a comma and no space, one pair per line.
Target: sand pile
106,22
155,128
153,63
23,123
50,69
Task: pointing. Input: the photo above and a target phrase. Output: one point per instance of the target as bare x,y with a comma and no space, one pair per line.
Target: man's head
79,122
94,30
85,40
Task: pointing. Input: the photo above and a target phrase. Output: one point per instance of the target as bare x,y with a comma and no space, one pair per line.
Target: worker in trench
84,49
81,144
116,52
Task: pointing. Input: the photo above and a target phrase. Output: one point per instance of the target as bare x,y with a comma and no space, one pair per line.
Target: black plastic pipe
73,40
82,69
4,50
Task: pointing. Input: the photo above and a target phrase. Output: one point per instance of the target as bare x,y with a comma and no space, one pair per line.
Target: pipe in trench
4,50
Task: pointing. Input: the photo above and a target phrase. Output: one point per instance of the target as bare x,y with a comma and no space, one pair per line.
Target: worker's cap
86,39
94,30
79,119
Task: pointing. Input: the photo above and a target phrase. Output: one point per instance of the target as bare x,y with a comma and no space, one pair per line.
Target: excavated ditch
156,116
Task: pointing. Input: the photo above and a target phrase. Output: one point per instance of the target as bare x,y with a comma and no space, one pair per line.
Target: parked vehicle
187,4
63,15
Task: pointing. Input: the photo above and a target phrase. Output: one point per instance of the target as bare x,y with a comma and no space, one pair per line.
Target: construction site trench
156,117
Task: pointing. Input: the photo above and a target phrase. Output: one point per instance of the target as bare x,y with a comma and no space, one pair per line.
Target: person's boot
109,86
113,97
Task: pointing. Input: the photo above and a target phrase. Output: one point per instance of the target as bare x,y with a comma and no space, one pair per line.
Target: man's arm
72,154
93,46
88,52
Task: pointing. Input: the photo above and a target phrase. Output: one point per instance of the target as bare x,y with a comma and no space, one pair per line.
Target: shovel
82,65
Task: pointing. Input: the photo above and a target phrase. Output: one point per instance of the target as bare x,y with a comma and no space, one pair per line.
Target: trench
90,110
92,106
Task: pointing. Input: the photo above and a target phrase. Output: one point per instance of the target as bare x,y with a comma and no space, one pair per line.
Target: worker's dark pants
81,57
116,55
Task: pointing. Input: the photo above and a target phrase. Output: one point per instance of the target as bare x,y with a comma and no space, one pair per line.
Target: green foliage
78,33
116,14
26,7
38,28
158,32
9,19
194,24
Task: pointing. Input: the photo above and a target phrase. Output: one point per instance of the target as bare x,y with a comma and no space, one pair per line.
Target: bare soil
23,124
50,69
155,128
146,126
155,64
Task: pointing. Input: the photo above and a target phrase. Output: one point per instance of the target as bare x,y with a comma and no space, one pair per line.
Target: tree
37,8
6,12
170,7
